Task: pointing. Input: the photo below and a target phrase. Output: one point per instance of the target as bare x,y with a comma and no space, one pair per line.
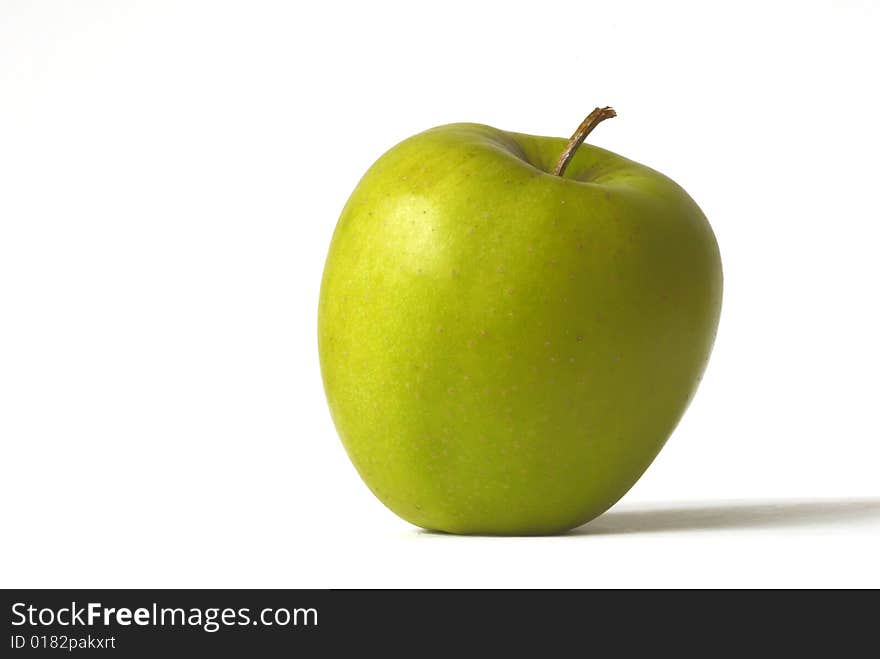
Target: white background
170,176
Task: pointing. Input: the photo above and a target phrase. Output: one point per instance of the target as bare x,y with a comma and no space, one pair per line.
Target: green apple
510,326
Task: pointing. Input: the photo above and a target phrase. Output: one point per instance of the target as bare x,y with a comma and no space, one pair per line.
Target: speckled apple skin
505,351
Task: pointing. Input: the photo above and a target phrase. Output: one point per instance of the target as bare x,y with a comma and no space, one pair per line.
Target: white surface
171,173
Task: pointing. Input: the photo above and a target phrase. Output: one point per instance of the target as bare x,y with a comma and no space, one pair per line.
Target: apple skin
505,351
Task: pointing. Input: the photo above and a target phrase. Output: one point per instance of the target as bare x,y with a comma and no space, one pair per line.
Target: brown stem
593,119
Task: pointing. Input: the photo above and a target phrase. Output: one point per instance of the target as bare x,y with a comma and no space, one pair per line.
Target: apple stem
593,119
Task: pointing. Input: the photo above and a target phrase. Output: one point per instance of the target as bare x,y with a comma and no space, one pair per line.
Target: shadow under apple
732,515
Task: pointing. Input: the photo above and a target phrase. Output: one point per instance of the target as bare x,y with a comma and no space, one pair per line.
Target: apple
510,326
